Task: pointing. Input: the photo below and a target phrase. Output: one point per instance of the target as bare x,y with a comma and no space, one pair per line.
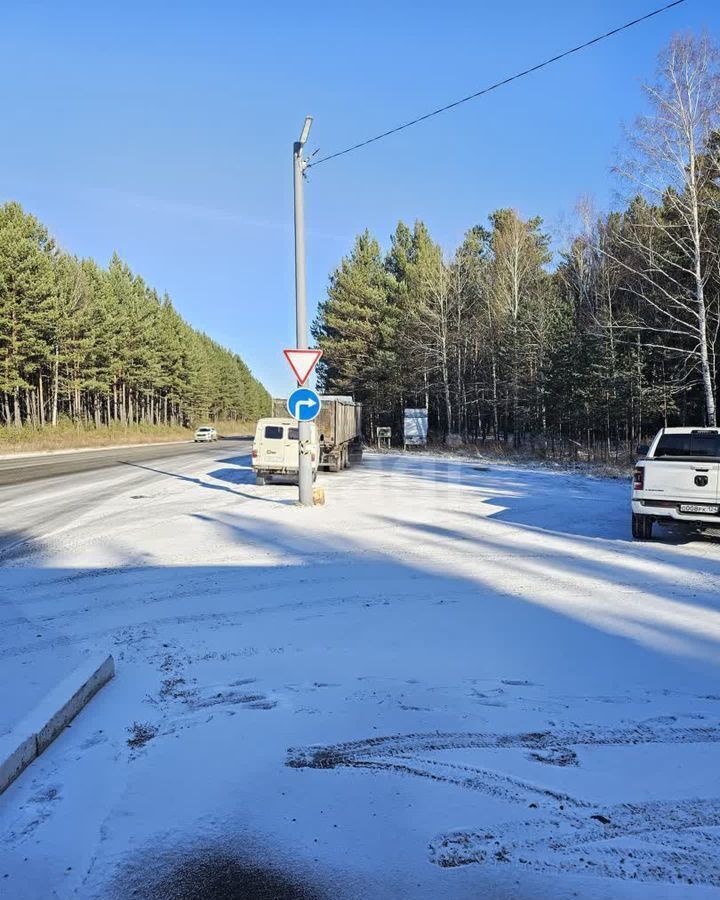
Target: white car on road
206,433
677,480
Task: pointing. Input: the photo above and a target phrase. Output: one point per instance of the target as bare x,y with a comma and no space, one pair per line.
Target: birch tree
519,252
669,251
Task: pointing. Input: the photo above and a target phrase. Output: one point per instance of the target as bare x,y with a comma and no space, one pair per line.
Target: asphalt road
44,496
34,468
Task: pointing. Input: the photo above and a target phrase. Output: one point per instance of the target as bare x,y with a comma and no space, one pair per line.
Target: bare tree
518,255
666,244
430,322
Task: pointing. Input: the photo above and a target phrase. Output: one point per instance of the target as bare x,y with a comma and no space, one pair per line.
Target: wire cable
498,84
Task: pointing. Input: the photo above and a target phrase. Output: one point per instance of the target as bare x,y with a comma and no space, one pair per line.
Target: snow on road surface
455,680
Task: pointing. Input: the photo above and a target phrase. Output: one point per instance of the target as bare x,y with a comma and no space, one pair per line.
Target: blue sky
164,131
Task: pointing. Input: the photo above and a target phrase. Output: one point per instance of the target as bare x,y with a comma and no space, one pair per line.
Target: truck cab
276,449
677,480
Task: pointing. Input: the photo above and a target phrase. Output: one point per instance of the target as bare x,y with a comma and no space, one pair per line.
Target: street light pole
301,331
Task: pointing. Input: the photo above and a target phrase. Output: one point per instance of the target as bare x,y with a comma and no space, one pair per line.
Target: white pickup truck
677,480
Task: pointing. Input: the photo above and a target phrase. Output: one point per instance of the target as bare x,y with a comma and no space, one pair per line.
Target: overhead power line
498,84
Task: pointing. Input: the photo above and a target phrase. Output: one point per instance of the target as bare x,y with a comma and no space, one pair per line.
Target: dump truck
339,425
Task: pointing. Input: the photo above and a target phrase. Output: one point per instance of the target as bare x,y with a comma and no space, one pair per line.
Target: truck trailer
339,427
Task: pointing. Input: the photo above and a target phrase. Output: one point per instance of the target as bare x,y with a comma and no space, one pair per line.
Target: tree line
99,346
594,347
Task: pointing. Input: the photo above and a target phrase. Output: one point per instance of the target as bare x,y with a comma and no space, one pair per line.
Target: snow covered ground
455,680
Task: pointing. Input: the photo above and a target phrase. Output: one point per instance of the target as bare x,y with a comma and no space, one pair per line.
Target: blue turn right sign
304,404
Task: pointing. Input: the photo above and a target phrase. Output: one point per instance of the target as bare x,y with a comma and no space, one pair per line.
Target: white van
276,451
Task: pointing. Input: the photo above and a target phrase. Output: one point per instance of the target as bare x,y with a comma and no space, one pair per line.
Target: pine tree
100,346
26,291
351,325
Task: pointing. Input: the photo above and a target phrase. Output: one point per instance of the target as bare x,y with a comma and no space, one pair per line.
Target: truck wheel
334,464
642,527
260,480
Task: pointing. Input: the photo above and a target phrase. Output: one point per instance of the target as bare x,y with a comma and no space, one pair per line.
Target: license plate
694,507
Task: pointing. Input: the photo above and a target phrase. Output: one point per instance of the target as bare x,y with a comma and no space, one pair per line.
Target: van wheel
642,527
260,480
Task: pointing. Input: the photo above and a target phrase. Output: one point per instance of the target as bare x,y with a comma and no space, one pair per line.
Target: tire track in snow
666,841
652,841
333,755
230,617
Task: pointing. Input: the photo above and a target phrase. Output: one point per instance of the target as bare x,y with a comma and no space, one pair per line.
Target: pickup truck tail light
638,478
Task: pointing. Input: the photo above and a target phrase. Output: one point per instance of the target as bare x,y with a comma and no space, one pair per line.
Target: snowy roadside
516,460
457,679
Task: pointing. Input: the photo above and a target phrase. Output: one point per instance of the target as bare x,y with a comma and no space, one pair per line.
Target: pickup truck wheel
642,527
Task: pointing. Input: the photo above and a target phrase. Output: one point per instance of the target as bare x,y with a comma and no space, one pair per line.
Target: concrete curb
40,727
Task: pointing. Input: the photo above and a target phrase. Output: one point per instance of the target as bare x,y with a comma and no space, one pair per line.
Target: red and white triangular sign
302,362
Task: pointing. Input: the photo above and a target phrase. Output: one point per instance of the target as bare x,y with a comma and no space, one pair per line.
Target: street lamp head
306,130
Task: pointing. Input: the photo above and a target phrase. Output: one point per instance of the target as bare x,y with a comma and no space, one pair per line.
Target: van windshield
274,432
690,446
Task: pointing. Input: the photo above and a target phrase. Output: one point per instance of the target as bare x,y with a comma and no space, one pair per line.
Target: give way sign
302,362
